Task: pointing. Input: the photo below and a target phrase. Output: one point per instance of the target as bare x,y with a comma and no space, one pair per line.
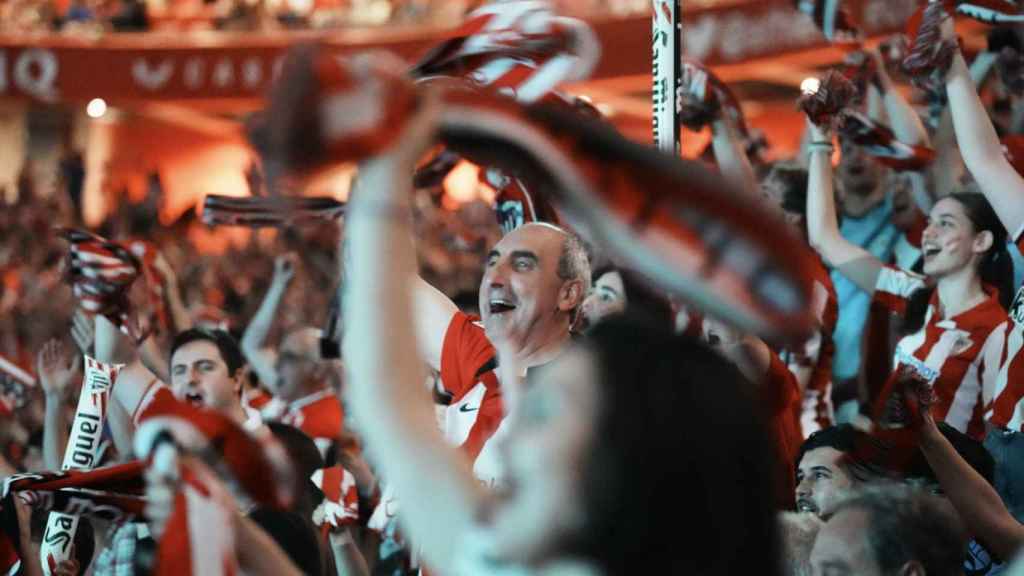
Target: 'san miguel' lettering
59,533
85,441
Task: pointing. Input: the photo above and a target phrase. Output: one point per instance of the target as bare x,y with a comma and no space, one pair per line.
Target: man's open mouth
803,505
195,399
501,306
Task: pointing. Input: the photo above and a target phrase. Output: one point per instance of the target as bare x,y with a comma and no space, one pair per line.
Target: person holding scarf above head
1001,363
950,310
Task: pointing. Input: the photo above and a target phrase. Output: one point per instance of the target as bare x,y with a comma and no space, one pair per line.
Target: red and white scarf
230,465
879,142
706,97
111,493
198,539
266,211
990,11
340,507
674,220
832,101
520,49
15,383
82,453
101,273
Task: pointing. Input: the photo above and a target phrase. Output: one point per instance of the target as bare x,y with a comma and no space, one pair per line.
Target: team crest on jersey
920,369
963,344
1017,308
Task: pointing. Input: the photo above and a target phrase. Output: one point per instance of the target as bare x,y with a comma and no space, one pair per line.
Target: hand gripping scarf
256,471
831,101
110,494
82,453
520,49
102,273
929,57
340,507
523,50
705,98
673,220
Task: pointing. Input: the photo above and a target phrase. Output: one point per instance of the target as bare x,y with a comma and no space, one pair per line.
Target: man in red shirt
534,282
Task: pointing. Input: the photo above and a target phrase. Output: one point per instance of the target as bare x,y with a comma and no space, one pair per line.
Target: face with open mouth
820,481
950,242
522,297
199,377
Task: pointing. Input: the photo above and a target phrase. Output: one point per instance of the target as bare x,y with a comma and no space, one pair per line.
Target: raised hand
83,330
56,366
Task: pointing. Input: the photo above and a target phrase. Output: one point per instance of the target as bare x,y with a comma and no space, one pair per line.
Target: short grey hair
574,262
907,525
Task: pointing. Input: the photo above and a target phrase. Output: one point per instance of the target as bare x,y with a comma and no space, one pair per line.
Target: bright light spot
96,108
810,85
462,182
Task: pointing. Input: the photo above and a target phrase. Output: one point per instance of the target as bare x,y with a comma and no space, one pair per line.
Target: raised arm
180,318
433,313
255,337
903,119
980,146
729,153
854,262
949,165
434,484
56,367
977,502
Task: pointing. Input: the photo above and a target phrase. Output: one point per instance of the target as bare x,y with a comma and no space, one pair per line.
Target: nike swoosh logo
466,408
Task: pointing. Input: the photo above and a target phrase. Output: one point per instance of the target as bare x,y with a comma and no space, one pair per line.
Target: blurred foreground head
631,439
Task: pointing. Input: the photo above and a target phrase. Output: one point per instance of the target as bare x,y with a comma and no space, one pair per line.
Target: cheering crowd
630,363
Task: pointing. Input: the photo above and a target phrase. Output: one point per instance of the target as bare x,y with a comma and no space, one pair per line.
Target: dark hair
305,459
794,182
972,451
995,268
295,535
905,525
677,439
851,442
225,343
641,298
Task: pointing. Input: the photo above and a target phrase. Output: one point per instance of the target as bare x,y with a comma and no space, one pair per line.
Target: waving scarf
673,220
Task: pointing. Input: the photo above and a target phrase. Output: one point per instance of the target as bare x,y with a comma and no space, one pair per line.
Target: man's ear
913,568
571,295
240,376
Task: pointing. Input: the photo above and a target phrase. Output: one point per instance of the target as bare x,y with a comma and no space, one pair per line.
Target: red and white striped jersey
943,350
811,364
467,373
1001,369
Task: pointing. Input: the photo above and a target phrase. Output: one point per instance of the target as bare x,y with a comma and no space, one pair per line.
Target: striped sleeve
895,287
